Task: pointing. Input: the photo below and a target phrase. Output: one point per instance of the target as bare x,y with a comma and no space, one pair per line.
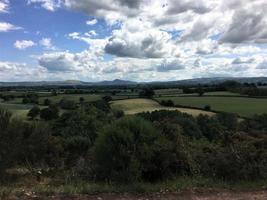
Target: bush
107,98
147,93
34,112
207,107
127,150
49,113
167,103
47,102
67,104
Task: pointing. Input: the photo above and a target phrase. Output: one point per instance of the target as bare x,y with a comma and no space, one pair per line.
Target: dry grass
134,106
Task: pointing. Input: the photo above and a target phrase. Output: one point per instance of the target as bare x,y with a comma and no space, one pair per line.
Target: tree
67,104
107,98
47,102
34,112
124,148
200,91
81,99
147,93
49,113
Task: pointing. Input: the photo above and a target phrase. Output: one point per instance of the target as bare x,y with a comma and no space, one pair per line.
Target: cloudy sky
140,40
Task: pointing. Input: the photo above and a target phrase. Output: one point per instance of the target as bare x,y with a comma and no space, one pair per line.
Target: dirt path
190,195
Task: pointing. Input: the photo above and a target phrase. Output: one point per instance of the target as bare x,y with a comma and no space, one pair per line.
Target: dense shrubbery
97,144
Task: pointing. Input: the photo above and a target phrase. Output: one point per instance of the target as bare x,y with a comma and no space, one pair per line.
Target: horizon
141,41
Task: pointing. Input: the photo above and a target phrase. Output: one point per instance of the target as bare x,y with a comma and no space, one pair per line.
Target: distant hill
126,82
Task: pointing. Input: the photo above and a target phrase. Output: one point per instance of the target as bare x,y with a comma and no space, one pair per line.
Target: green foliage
34,112
187,122
23,144
47,102
67,104
147,93
127,150
31,98
49,113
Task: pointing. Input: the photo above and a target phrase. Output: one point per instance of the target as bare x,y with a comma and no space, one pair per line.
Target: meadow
243,106
134,106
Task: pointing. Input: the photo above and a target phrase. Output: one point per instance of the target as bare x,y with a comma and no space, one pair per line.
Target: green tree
47,102
147,93
49,113
34,112
128,150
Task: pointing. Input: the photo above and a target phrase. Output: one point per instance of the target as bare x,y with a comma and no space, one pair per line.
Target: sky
138,40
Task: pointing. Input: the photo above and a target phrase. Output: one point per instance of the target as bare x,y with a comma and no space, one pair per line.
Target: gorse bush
24,143
126,149
99,145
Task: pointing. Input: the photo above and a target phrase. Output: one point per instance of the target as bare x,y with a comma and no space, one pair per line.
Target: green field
134,106
241,105
72,97
18,110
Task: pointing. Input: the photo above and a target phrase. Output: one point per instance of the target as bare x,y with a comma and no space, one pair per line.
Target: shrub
67,104
146,93
207,107
47,102
127,150
34,112
49,113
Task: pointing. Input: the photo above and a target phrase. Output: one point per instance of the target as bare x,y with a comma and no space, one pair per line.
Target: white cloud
50,5
262,65
4,6
12,71
47,44
6,27
249,23
170,65
23,44
91,22
151,40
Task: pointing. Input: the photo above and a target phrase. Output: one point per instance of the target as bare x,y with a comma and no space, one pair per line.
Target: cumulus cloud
68,62
262,65
23,44
10,71
180,6
150,40
50,5
47,44
91,22
170,65
238,61
249,24
141,43
4,5
6,27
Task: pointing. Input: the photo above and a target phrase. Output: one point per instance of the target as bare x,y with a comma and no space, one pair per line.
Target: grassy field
241,105
73,97
134,106
18,110
176,93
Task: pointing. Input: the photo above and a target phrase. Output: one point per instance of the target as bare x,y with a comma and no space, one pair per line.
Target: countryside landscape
133,99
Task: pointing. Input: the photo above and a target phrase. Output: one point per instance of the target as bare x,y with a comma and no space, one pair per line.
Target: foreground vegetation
87,141
93,148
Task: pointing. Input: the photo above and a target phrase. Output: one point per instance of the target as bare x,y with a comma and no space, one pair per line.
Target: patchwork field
18,110
241,105
72,97
134,106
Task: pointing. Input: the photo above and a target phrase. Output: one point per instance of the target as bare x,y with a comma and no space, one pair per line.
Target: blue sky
142,40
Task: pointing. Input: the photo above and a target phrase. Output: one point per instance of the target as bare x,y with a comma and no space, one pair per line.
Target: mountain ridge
115,82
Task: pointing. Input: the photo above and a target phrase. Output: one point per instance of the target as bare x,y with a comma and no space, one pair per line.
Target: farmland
151,133
134,106
239,105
